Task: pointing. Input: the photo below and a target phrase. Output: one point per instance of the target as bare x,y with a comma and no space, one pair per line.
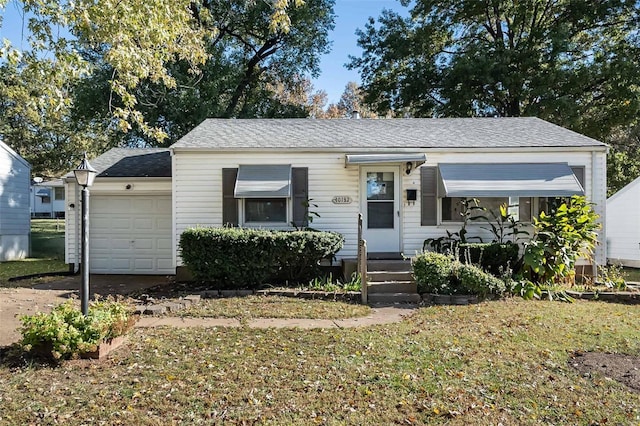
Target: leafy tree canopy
575,63
101,70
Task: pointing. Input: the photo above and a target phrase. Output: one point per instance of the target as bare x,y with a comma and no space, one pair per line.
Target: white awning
508,180
43,192
263,181
418,158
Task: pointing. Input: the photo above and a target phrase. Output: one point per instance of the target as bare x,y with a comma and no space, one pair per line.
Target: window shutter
229,203
428,196
300,195
579,172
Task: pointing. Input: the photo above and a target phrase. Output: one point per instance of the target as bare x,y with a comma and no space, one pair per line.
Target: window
45,199
272,210
58,194
519,207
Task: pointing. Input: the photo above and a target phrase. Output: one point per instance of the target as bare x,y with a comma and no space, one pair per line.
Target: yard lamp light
85,174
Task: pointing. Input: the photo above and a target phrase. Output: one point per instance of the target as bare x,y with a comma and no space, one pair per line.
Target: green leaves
561,237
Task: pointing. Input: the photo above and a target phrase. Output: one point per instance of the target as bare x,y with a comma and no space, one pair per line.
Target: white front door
380,207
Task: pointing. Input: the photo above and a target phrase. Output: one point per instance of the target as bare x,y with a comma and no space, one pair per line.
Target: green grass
500,362
47,238
246,308
47,253
631,274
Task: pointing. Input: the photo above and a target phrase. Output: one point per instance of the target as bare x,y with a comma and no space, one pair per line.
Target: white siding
14,205
623,226
197,188
104,187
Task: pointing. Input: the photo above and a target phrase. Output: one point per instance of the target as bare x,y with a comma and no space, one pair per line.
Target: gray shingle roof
389,133
133,162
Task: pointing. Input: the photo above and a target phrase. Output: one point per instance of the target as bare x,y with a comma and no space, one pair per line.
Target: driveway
15,302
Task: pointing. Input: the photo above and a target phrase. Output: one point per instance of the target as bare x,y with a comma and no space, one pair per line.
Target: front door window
380,200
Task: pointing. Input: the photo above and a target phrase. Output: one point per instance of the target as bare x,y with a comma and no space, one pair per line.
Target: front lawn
498,362
246,308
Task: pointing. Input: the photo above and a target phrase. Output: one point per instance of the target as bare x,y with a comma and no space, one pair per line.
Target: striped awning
263,181
418,158
508,180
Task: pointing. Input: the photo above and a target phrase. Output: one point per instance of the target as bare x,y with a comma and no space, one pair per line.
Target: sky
350,15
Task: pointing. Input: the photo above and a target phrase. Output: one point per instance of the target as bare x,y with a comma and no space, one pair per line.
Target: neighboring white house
623,226
406,176
47,199
15,226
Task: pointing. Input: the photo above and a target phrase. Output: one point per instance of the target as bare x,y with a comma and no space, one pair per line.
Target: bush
432,272
494,258
473,280
239,258
65,332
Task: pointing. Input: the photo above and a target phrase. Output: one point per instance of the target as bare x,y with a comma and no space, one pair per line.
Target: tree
249,72
139,41
575,63
623,160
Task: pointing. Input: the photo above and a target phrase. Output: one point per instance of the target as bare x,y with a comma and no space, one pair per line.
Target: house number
341,199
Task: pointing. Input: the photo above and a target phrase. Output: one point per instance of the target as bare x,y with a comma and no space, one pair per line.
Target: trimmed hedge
492,257
441,274
246,258
432,272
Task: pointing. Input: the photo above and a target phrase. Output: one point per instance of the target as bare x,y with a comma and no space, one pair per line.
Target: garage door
130,235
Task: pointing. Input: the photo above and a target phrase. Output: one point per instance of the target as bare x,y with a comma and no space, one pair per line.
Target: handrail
362,262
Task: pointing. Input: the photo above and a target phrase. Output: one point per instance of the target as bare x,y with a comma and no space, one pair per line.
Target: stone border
624,297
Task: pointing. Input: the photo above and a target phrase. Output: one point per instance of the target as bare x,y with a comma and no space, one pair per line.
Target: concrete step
389,265
382,298
392,287
381,276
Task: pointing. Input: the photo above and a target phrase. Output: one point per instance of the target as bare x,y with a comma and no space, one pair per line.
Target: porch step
381,276
390,298
390,287
384,256
389,265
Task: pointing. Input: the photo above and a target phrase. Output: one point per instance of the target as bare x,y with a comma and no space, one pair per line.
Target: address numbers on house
341,199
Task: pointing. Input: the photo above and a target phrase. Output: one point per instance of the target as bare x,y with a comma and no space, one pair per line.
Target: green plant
505,228
526,289
355,284
568,231
324,283
311,214
65,332
448,244
612,277
238,257
495,258
432,272
471,279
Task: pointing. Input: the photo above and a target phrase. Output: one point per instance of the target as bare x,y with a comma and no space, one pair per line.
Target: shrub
473,280
568,231
65,332
238,257
494,258
432,272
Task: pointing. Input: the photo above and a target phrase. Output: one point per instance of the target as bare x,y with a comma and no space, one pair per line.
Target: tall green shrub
568,231
432,272
247,258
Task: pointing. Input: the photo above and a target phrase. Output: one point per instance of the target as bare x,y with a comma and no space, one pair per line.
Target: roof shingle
382,133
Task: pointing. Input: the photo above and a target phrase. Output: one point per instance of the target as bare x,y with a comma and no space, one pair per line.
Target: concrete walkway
379,316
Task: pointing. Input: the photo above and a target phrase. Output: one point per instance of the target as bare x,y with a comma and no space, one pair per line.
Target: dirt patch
622,368
16,302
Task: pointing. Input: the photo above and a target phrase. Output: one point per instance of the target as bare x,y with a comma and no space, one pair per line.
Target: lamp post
85,174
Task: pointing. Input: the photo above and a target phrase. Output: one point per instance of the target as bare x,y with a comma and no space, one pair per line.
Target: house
47,198
406,177
15,226
623,226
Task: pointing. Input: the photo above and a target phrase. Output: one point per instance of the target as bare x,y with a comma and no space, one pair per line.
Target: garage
130,234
